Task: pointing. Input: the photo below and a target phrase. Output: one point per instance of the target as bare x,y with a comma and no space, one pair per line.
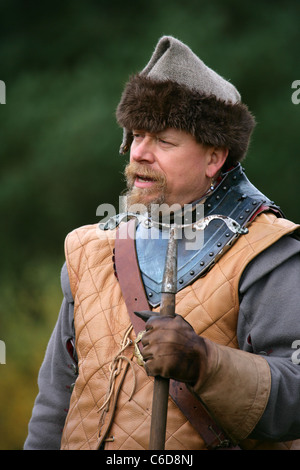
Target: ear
216,160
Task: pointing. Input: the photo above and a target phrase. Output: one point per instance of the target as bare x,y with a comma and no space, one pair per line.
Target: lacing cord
115,369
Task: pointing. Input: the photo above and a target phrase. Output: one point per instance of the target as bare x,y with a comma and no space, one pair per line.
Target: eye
165,143
137,136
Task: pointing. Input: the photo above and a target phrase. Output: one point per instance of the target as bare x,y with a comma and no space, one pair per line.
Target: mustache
134,169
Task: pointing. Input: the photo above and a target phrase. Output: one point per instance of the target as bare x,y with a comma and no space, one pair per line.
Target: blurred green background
65,64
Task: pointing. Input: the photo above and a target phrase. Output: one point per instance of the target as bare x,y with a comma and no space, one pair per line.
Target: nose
142,150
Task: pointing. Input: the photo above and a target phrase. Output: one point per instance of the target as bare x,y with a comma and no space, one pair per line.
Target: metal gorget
224,216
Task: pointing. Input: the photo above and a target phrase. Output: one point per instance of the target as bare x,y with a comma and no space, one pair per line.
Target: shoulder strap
129,277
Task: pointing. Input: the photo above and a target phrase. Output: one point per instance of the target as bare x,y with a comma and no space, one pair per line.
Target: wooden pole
161,385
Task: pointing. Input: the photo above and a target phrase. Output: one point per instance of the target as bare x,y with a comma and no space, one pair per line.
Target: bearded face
145,186
169,167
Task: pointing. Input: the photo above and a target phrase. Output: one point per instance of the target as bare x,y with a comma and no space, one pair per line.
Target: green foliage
65,64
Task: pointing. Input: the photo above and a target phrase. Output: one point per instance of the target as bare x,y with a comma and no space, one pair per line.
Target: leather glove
172,349
234,385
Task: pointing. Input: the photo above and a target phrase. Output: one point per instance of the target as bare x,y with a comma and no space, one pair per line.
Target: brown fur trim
152,105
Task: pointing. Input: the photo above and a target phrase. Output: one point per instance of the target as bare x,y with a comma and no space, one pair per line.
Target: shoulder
283,252
85,247
65,284
269,222
80,235
85,236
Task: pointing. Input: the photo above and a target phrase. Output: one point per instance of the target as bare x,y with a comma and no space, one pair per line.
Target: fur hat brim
153,105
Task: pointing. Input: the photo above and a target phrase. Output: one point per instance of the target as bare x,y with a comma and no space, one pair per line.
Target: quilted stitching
101,320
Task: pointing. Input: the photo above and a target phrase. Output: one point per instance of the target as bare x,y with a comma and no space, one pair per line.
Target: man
230,348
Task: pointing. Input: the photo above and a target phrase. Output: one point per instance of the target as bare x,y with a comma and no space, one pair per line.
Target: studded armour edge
235,197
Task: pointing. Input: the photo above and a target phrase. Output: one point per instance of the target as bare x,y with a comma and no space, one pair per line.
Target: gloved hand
234,385
172,349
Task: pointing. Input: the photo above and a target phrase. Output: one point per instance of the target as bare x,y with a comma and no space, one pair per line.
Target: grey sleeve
56,375
269,325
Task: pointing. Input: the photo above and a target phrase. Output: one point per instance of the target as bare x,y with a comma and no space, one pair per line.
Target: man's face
169,167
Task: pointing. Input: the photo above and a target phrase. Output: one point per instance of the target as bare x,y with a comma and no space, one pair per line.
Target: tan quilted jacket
114,407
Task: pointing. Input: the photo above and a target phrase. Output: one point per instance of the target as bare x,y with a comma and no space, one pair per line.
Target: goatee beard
140,198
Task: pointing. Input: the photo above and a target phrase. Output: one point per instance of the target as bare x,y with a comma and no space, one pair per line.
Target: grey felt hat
173,60
176,89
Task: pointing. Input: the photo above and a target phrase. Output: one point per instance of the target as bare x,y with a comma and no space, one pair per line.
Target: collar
235,199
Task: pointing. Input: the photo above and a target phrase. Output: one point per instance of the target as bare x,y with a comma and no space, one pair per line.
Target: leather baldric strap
129,277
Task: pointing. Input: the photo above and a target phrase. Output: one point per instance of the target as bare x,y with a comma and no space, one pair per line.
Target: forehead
169,132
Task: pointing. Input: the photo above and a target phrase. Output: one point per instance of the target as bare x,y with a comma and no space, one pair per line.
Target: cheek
184,175
189,184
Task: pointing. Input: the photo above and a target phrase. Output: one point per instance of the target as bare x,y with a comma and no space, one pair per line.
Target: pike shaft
161,385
